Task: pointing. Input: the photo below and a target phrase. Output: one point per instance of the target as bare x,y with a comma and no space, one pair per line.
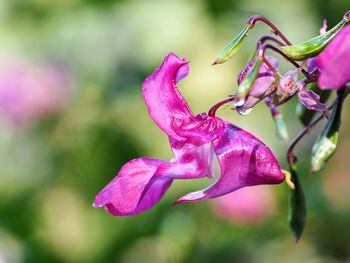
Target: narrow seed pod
305,115
326,143
314,46
233,47
297,206
246,84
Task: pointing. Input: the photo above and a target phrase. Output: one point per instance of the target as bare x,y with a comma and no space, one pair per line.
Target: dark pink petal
142,182
163,100
311,100
193,159
244,161
334,61
122,196
202,127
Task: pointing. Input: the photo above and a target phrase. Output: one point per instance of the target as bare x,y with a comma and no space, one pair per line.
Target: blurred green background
56,157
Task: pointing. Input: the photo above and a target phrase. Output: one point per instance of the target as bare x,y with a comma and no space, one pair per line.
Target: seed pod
297,208
314,46
326,143
305,115
233,47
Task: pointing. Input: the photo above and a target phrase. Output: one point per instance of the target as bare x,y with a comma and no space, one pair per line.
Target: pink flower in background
249,205
28,92
244,160
334,62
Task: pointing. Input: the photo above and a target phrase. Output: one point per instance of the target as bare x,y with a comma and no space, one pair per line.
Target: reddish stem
253,19
291,158
273,70
261,53
213,109
265,38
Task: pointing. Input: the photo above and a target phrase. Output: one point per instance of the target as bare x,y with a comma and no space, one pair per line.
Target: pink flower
334,61
249,205
28,92
194,139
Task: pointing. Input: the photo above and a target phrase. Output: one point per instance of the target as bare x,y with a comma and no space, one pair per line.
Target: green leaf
297,208
233,47
326,143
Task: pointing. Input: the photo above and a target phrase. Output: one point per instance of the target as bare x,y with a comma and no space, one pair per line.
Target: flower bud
232,48
246,84
288,83
311,100
264,85
314,46
305,115
297,208
326,143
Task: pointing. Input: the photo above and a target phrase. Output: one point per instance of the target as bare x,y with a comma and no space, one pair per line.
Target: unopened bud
233,47
305,115
326,143
288,83
314,46
248,81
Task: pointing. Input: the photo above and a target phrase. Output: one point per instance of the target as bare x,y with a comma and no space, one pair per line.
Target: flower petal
311,100
244,161
142,182
202,127
122,196
334,61
163,100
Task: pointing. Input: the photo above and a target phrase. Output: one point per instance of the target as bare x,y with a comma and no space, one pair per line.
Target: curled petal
334,61
244,161
311,100
142,182
163,100
122,196
193,159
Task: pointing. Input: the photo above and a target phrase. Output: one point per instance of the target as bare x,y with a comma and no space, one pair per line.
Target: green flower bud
233,47
305,115
326,143
314,46
297,208
246,84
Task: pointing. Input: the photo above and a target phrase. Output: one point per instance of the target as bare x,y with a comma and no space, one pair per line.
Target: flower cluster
195,139
319,66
